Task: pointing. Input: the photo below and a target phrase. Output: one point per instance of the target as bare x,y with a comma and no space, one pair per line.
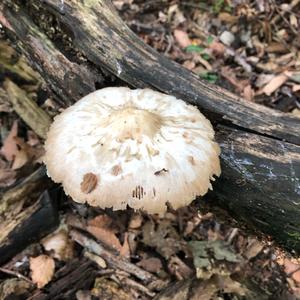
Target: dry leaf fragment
248,93
227,18
151,264
189,64
88,183
292,270
182,38
217,48
253,249
100,228
60,244
21,158
274,84
135,221
125,249
42,269
296,88
9,148
106,236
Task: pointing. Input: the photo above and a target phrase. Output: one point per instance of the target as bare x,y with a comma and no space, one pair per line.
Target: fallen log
22,226
70,45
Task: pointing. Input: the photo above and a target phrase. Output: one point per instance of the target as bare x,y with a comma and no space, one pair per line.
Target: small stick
16,274
114,261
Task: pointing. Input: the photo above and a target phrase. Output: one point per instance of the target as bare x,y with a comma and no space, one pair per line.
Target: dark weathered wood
104,39
19,229
260,147
76,275
261,183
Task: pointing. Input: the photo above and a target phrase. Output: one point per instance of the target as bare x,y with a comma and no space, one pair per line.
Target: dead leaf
189,64
9,148
228,18
217,48
296,88
248,93
263,79
125,249
182,38
151,264
100,228
253,249
42,269
21,158
106,236
292,269
213,257
229,74
135,221
60,244
276,47
164,238
274,84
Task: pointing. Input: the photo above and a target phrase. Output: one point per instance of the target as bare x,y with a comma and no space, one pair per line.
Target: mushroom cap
117,147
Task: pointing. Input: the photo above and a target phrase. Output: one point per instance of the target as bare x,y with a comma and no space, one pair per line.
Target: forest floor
249,47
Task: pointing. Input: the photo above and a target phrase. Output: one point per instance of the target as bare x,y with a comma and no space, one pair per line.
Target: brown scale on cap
116,170
138,192
88,183
192,160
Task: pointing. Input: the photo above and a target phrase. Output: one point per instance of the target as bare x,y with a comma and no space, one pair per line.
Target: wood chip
88,183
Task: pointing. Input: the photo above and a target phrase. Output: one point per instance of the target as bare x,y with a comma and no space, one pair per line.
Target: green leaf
205,56
210,77
194,48
209,40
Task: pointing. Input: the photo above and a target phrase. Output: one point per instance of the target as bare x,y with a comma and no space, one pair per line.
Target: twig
137,286
16,274
280,14
112,260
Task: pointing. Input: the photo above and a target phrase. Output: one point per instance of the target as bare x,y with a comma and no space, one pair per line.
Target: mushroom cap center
133,123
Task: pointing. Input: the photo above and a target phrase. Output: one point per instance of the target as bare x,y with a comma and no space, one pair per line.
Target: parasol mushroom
117,147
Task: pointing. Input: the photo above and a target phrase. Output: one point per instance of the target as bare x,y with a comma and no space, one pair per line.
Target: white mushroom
117,147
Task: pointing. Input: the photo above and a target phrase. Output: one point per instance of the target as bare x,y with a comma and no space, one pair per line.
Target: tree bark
70,44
